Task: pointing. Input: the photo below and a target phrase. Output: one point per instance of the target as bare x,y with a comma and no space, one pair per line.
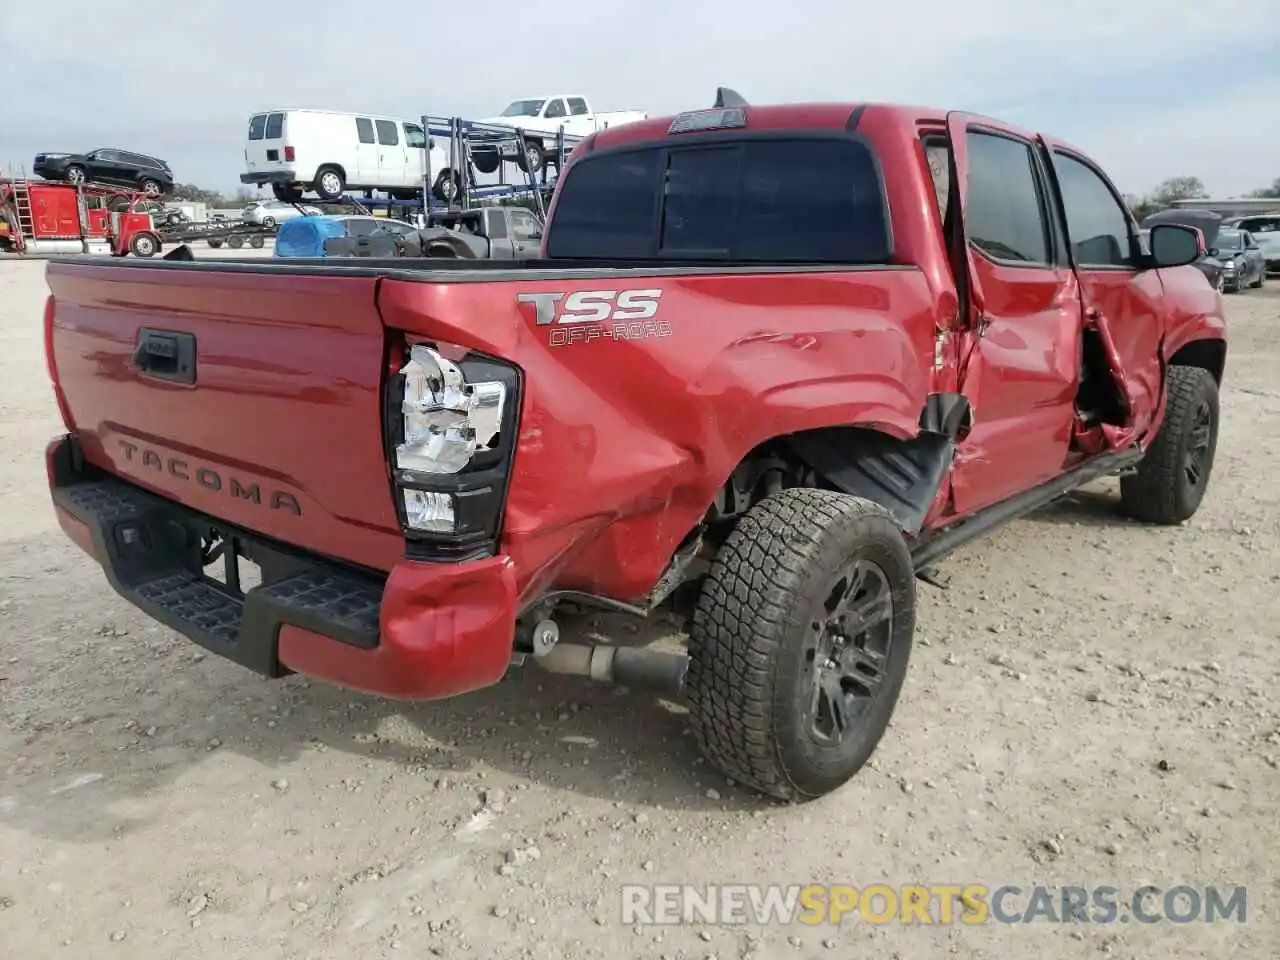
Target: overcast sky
1152,88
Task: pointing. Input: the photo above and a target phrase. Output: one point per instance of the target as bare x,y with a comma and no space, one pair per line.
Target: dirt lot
1092,702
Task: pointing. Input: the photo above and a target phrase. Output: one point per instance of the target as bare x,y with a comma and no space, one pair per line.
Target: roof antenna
729,98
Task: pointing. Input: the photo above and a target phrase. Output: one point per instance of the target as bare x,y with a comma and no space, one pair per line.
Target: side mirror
1173,245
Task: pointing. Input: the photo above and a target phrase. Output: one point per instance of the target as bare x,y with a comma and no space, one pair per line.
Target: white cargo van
330,153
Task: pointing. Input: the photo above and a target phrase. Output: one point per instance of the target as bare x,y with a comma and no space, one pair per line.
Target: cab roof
838,115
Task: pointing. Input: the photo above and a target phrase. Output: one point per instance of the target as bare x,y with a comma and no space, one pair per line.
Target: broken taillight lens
452,424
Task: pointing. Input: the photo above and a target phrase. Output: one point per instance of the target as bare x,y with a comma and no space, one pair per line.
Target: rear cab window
275,126
257,126
751,198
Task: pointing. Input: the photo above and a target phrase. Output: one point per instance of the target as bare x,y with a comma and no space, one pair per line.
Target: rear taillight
288,154
451,435
50,306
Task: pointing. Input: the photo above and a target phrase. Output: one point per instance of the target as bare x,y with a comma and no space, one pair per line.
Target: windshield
812,200
524,108
1229,240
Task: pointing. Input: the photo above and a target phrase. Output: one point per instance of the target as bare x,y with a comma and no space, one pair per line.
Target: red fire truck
42,217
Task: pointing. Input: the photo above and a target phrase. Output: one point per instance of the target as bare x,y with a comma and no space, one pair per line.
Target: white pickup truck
547,115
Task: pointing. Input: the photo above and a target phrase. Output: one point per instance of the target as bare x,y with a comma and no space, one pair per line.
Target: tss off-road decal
586,315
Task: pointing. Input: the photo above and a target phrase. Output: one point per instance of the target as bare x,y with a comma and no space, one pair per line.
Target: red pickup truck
774,362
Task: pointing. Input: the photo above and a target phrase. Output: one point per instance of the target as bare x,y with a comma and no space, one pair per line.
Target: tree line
1186,188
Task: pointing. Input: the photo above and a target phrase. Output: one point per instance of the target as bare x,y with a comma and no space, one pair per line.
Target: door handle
166,355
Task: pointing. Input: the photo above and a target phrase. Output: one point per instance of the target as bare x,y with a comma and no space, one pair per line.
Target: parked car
1243,262
547,115
309,236
330,153
764,392
1208,223
268,213
1270,245
107,165
1256,223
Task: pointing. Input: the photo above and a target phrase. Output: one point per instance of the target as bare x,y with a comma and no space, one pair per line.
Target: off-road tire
749,683
1161,490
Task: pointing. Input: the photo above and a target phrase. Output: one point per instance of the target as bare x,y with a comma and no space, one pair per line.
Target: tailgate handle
165,355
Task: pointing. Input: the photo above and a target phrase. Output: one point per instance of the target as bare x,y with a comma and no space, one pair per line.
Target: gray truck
490,233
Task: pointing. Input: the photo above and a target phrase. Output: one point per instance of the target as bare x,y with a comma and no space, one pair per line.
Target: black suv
107,165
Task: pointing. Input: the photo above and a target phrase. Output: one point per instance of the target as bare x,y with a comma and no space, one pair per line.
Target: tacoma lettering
210,479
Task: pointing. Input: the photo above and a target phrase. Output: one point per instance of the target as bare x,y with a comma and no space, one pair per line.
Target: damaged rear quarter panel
623,443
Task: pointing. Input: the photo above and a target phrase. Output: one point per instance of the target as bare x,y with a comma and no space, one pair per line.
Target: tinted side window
364,130
257,126
387,134
414,137
607,207
275,126
1003,216
578,107
1096,221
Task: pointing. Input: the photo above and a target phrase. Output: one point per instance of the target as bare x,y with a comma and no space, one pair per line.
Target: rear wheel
235,243
256,241
800,642
330,183
531,158
215,244
288,192
446,186
1171,480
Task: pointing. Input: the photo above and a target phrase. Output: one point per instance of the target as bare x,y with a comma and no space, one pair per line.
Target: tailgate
276,426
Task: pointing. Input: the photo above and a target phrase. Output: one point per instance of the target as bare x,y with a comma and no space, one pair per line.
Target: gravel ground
1091,702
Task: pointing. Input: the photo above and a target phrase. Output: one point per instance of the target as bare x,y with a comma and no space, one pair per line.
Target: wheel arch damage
903,474
1208,353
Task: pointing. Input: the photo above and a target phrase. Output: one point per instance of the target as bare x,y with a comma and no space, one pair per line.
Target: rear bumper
426,631
261,177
